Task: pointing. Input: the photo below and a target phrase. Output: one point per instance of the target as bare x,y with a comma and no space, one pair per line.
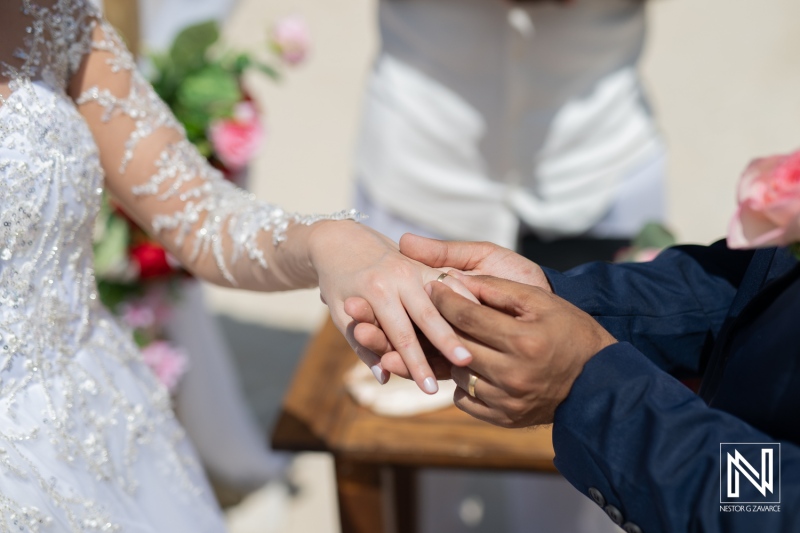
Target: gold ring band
441,277
473,379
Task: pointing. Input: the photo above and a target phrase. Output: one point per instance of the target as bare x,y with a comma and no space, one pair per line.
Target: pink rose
138,315
291,39
769,204
236,140
168,363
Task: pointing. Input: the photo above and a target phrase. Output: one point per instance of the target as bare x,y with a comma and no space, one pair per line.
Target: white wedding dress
88,441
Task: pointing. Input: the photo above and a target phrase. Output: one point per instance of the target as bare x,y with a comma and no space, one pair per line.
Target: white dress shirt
478,115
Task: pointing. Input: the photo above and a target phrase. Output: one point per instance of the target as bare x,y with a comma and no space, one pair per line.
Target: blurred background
722,76
724,81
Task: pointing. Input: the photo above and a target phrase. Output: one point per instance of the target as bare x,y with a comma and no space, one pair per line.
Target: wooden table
377,457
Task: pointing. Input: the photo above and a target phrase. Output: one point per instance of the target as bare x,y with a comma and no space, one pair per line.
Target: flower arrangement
769,204
138,280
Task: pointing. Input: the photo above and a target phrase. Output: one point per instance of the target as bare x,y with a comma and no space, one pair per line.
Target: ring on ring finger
473,380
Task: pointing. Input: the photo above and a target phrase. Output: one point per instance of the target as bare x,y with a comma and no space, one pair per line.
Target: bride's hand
473,258
352,260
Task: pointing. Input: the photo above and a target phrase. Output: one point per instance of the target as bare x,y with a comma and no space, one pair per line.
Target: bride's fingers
435,328
457,286
394,364
360,310
372,337
401,334
368,357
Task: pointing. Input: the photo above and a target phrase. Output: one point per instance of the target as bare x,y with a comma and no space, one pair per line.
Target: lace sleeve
217,230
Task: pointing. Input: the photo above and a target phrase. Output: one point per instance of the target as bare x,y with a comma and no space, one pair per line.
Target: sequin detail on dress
142,104
88,440
209,202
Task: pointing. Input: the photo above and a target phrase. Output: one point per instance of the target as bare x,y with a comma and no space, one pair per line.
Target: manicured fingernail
377,371
430,385
429,288
462,354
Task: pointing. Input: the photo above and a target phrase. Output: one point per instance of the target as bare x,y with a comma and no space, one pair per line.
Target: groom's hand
474,258
528,347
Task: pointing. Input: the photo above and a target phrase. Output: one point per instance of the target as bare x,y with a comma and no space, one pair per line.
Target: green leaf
113,247
654,235
204,147
208,94
795,249
141,338
241,63
113,294
269,70
188,52
164,80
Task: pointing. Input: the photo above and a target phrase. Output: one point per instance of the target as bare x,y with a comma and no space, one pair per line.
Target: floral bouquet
769,204
137,278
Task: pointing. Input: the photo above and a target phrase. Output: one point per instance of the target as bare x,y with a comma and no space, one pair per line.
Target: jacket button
614,514
630,527
597,497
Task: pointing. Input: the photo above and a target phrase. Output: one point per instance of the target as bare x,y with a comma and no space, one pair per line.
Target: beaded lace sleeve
216,229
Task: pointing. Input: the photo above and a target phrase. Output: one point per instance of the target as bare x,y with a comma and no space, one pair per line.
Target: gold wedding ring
441,277
473,379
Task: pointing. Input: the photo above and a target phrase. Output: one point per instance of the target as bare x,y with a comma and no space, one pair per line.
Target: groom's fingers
489,326
434,327
452,254
514,298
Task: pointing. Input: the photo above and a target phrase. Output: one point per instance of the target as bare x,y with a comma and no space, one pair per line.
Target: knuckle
507,423
441,256
401,270
463,319
516,386
516,408
376,283
487,246
526,344
429,314
405,339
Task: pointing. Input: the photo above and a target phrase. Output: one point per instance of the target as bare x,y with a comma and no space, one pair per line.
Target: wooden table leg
403,484
375,498
361,497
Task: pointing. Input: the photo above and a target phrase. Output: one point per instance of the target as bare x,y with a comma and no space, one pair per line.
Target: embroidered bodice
76,117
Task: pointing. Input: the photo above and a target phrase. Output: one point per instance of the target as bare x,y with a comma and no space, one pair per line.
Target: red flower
151,260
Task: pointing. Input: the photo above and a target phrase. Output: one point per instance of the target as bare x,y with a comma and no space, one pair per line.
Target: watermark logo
750,473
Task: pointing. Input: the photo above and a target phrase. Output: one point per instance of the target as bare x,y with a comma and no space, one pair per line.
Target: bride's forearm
290,265
293,263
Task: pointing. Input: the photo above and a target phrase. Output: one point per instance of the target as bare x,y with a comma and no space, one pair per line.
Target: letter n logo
750,472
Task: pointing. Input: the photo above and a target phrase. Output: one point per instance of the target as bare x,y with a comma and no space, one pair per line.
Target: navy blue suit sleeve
651,447
671,308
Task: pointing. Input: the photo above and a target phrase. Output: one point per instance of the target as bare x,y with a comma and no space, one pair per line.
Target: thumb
435,253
